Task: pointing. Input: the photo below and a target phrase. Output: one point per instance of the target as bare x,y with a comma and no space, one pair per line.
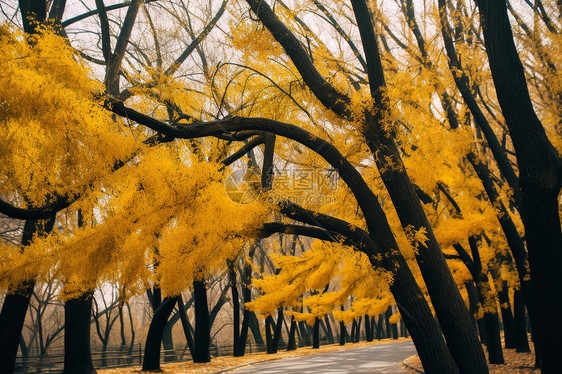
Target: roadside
224,364
515,363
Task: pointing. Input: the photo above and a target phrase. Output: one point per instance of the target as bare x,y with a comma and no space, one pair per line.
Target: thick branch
326,93
245,149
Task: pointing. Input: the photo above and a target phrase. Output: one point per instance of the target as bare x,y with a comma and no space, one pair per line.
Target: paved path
376,359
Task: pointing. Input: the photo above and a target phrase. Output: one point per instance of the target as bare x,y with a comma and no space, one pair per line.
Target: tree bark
380,328
77,353
540,176
507,317
316,334
201,353
16,302
292,344
151,359
520,322
236,343
368,329
329,332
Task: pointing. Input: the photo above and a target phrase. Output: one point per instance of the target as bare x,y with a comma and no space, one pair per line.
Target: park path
376,359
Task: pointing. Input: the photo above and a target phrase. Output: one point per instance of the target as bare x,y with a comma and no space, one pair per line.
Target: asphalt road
378,359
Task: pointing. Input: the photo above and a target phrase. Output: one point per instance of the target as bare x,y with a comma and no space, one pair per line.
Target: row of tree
437,151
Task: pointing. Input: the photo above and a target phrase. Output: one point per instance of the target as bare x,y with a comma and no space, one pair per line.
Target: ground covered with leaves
227,363
515,363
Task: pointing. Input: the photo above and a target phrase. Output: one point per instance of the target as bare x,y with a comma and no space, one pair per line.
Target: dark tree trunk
402,329
12,319
168,343
304,333
254,325
421,324
316,334
520,322
507,317
358,330
278,329
491,320
368,329
380,327
394,327
474,302
236,343
77,353
495,353
186,326
151,359
516,246
343,333
201,353
292,344
387,315
273,332
249,318
353,330
269,335
17,300
329,332
540,177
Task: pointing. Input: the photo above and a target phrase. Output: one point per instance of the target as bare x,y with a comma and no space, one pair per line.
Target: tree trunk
268,334
540,177
186,326
16,302
368,330
358,330
292,344
278,330
343,333
353,330
12,319
168,343
387,315
254,325
394,327
236,343
316,334
495,353
421,324
304,333
151,359
507,317
201,353
520,322
380,327
474,301
329,332
491,320
77,353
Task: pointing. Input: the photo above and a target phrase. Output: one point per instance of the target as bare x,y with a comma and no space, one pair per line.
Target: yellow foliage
56,138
